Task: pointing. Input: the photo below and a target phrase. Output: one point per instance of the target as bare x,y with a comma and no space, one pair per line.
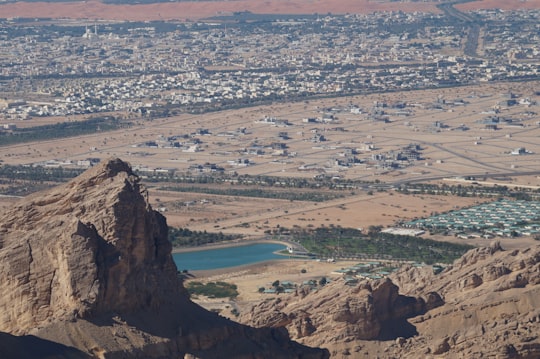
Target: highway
471,44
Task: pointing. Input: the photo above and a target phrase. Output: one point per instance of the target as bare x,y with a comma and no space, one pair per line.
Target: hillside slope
487,304
87,269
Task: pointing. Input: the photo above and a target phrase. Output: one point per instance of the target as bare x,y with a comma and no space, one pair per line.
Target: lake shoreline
258,266
231,257
234,243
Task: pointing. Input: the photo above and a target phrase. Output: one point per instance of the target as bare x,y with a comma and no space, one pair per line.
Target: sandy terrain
359,211
94,9
499,4
250,278
188,10
446,153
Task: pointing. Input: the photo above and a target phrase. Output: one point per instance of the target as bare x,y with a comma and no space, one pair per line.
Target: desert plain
447,125
453,142
195,10
448,154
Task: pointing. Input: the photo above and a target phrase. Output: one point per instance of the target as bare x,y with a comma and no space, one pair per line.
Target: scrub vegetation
213,289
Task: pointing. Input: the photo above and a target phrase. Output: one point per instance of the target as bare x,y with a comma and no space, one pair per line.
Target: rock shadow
395,328
29,346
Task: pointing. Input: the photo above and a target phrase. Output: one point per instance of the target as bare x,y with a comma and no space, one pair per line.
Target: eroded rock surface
88,265
487,304
342,313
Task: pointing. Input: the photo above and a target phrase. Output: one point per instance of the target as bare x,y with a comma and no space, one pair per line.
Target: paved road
471,44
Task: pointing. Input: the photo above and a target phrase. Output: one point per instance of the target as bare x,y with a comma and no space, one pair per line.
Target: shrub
213,289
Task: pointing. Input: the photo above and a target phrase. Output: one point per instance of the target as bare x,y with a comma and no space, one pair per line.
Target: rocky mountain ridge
87,270
487,304
88,273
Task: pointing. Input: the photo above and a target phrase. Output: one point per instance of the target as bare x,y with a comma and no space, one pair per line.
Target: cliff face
343,313
492,305
485,305
84,249
88,265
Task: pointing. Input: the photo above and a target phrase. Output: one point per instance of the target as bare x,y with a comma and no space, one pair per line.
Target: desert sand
499,4
446,153
95,9
188,10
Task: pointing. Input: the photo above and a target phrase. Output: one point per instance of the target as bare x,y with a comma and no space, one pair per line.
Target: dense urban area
104,76
62,68
234,179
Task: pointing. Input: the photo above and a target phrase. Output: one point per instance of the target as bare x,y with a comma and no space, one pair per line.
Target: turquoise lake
227,257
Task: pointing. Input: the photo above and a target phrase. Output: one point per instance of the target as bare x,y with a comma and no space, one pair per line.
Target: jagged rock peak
107,169
90,246
479,254
88,265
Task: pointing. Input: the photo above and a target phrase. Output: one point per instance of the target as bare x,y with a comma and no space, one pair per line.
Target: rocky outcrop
88,265
84,249
484,305
493,272
340,312
471,281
